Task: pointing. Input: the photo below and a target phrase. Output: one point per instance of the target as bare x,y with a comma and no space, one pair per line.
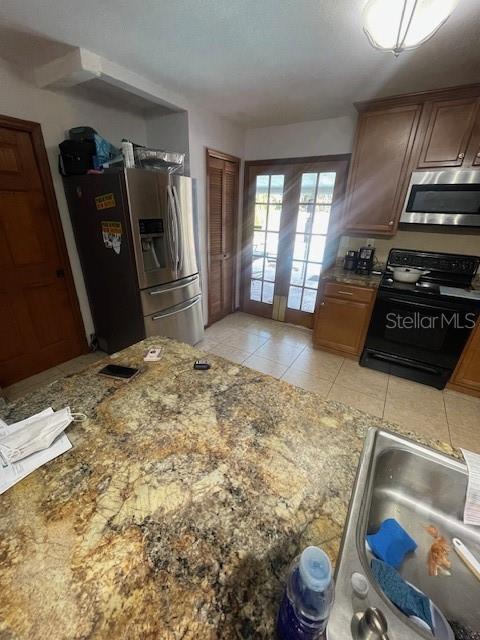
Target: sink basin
401,479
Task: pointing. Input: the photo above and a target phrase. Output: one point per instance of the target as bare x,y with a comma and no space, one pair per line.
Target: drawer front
183,322
168,295
348,292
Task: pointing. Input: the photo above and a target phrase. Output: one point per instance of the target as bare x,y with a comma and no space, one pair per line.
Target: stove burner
431,286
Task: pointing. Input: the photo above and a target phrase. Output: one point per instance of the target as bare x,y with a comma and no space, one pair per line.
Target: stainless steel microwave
447,196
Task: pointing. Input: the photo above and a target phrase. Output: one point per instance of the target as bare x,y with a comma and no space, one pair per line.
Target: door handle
168,289
174,229
178,215
174,313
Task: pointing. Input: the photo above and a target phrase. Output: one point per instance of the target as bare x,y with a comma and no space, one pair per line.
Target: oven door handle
429,306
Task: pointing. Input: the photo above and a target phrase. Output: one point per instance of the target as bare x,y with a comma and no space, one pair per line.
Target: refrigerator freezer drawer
168,295
183,322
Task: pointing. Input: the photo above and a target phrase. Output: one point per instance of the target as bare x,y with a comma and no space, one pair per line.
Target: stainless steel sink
398,478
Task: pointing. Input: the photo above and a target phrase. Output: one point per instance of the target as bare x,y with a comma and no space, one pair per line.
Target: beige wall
57,113
316,138
207,130
449,242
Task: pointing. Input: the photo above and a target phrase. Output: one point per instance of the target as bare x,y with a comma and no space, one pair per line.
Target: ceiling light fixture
398,25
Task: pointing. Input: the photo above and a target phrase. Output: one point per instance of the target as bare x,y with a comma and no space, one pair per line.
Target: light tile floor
286,352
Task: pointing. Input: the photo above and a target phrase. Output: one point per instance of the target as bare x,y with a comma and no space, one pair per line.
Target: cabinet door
341,325
467,373
376,189
473,151
450,125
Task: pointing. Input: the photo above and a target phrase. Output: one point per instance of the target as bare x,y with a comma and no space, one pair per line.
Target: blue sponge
405,597
391,543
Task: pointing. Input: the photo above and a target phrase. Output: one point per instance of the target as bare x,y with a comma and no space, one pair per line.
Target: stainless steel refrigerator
135,237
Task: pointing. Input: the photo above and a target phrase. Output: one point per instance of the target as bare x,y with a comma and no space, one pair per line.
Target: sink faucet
372,625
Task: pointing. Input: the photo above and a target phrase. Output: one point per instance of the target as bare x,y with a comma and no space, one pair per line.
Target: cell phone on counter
118,371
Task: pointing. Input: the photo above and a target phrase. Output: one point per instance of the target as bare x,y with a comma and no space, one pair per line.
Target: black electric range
418,331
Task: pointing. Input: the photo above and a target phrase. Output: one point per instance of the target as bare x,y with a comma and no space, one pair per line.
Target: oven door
420,334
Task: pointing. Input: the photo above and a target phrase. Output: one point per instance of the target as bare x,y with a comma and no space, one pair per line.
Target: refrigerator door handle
170,227
172,220
168,289
174,313
178,213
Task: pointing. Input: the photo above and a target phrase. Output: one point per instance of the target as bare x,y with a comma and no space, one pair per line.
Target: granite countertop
180,506
337,273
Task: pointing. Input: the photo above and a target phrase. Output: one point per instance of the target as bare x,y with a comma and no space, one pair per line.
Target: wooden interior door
40,323
222,207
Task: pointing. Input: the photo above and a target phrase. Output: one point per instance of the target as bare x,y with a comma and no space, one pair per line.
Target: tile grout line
337,374
446,419
386,395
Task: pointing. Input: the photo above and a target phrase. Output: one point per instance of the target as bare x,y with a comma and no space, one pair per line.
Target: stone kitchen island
177,511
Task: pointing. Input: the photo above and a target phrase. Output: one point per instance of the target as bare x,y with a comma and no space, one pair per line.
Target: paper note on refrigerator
471,514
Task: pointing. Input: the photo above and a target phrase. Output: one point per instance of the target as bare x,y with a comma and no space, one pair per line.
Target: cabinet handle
461,156
390,224
345,293
478,154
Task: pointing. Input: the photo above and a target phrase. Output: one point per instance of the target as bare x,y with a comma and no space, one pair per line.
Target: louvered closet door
222,216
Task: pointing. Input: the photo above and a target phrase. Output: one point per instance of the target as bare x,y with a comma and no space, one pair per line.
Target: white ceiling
258,62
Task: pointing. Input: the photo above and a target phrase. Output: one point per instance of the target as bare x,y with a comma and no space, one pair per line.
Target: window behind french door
290,208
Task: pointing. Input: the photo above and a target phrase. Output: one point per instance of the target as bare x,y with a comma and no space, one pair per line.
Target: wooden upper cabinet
473,151
448,132
382,151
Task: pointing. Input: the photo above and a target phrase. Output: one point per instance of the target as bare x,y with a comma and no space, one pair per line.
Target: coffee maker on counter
350,260
365,260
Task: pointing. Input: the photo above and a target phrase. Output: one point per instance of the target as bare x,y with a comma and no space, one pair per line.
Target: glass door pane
267,214
314,206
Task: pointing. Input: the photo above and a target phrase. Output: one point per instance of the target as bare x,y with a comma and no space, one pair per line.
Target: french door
288,235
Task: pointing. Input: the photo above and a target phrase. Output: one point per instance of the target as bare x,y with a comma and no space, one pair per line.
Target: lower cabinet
466,377
342,318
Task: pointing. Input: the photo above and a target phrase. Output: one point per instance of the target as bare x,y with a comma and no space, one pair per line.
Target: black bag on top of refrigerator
76,157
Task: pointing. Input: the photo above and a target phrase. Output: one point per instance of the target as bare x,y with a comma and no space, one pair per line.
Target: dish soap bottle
308,597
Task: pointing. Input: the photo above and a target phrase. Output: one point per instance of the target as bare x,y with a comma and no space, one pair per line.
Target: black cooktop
445,269
422,287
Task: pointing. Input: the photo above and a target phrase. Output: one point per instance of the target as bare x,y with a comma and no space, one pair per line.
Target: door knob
60,273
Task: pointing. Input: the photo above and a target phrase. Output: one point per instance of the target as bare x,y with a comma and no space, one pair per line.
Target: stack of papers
471,514
10,474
